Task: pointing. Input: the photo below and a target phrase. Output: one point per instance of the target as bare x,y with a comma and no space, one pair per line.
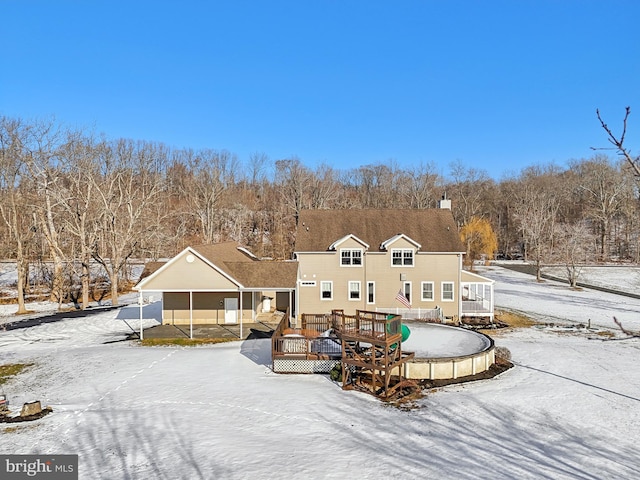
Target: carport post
140,310
191,314
241,315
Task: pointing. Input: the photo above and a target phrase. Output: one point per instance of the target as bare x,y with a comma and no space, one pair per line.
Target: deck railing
424,314
377,325
313,341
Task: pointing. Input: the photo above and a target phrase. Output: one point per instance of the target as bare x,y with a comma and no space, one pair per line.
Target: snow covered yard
569,409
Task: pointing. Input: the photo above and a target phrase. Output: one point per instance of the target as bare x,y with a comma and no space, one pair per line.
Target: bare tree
603,188
377,185
536,212
419,186
209,174
323,187
618,142
467,191
13,198
257,166
293,180
79,165
43,145
128,186
572,248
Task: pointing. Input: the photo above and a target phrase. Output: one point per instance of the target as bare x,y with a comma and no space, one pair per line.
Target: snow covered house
406,262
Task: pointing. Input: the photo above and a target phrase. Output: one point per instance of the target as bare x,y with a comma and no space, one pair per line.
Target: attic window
351,257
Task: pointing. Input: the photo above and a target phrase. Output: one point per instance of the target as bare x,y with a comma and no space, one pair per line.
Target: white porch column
291,311
240,303
140,313
491,302
459,292
253,306
191,314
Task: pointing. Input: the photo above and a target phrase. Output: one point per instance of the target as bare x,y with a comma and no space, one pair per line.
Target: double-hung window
354,290
447,291
351,257
326,290
427,291
402,257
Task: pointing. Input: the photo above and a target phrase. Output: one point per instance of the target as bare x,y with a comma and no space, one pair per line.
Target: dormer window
402,257
351,257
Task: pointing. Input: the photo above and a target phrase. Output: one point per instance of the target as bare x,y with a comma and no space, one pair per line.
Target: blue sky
497,85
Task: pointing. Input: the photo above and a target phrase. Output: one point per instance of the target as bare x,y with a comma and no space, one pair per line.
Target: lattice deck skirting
285,365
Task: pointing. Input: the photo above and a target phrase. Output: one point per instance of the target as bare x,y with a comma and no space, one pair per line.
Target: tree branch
619,142
630,333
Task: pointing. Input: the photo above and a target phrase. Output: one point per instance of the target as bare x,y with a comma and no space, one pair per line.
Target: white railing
429,314
476,306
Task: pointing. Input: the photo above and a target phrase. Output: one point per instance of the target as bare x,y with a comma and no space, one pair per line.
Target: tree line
71,200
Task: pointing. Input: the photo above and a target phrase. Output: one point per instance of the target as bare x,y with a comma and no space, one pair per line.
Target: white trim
247,252
385,245
433,293
330,282
175,259
335,244
359,283
140,313
351,250
440,253
371,282
404,291
453,291
179,290
480,278
402,250
191,315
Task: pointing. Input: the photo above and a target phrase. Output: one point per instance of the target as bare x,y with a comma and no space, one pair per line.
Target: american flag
402,299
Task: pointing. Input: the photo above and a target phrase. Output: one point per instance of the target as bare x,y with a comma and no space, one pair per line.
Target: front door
230,310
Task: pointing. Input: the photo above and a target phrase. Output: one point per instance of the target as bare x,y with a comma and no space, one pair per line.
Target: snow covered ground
569,409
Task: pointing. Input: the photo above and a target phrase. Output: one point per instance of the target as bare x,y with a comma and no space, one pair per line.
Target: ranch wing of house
221,283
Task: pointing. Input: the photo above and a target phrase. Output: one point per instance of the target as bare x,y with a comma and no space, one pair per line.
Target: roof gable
188,270
219,266
340,241
387,243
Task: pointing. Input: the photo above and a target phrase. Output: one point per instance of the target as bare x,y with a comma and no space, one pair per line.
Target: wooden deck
368,345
